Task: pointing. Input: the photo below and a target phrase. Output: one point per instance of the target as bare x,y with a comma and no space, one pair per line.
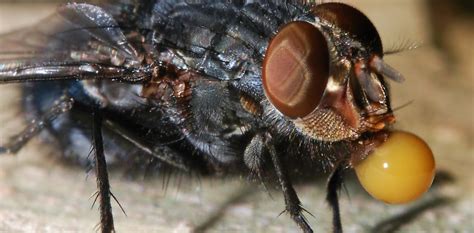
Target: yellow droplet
398,171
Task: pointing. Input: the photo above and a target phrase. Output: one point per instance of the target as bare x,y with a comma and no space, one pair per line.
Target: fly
269,90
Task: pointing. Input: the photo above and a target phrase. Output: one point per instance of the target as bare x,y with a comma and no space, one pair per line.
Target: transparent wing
79,41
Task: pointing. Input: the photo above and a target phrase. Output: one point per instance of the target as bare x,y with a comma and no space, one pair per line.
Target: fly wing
79,41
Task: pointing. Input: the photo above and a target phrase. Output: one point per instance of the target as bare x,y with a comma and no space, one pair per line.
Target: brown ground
40,195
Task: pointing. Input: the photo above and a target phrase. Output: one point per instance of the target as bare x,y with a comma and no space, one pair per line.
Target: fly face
327,76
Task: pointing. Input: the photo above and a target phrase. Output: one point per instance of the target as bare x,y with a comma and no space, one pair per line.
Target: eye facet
296,69
353,21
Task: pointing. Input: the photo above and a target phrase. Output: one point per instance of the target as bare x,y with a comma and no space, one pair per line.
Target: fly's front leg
292,202
64,104
103,185
333,186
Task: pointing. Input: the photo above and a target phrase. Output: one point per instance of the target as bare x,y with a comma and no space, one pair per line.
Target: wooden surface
39,194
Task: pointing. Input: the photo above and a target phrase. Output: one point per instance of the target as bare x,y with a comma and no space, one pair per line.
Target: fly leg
292,202
103,186
333,186
64,104
254,156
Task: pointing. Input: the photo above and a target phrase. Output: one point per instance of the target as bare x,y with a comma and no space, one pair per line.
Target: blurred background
39,194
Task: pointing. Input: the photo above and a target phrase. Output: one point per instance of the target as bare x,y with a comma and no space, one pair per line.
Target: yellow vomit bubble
398,171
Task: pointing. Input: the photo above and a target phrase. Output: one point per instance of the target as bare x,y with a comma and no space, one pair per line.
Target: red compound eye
353,21
296,69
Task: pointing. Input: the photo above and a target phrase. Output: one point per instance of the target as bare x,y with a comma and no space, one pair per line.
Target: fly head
327,75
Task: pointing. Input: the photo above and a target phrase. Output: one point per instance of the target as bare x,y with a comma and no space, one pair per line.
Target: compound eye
353,21
296,69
